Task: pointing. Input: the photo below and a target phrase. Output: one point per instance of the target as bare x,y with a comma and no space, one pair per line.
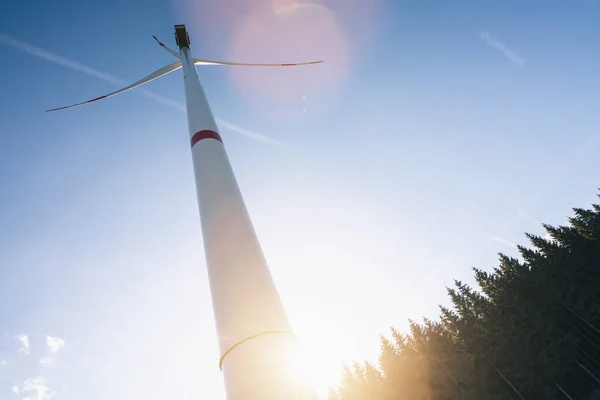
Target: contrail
248,133
68,63
502,48
499,239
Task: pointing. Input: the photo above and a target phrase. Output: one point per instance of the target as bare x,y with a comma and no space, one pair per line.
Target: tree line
531,330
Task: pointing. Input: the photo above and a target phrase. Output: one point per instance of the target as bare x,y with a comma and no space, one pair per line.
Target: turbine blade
208,62
156,74
164,46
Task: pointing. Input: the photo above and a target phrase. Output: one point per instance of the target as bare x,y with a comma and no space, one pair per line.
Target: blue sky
434,135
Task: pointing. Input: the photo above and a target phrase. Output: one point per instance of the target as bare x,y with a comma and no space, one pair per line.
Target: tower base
267,367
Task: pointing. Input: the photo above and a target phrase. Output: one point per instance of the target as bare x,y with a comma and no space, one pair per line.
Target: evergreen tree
531,331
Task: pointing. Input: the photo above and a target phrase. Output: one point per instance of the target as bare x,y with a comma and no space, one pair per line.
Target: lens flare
336,31
289,32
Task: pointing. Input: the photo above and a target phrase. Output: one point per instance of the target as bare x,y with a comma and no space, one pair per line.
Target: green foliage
531,331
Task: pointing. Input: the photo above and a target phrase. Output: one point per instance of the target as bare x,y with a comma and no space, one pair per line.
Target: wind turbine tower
257,346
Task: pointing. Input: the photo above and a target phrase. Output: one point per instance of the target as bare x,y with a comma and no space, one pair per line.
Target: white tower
255,337
259,355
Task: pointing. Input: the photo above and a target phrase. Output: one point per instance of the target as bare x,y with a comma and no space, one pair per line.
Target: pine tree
531,331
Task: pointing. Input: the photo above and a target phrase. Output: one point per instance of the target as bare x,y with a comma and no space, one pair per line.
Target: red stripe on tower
205,134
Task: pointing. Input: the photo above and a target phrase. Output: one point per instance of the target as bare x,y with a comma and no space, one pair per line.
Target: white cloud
24,339
3,363
37,389
68,63
15,389
46,361
502,48
54,344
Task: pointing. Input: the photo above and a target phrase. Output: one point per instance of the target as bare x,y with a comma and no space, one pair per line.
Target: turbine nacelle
181,36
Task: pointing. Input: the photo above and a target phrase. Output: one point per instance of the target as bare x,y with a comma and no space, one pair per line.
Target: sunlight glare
324,350
290,32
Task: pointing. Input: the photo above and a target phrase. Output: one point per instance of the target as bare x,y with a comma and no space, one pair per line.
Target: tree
530,331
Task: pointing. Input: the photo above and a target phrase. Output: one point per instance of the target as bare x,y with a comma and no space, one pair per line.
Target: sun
324,350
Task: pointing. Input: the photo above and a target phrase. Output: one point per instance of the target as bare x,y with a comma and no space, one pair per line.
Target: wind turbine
256,343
